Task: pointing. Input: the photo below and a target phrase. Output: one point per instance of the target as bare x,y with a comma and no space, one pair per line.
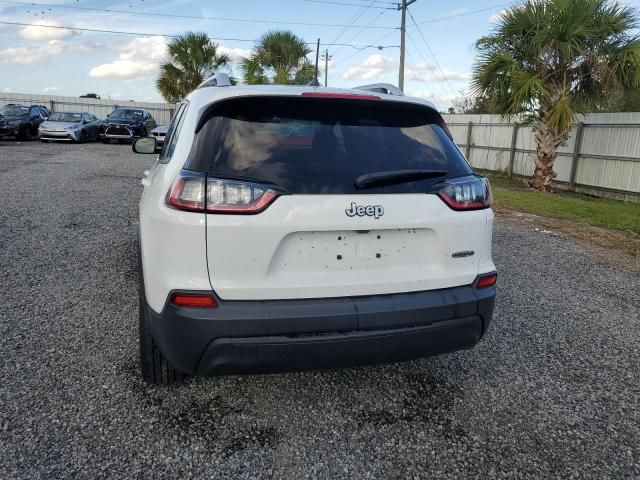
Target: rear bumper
290,335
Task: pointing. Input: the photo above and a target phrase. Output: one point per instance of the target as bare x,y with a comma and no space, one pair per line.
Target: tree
279,58
193,57
627,101
90,95
548,60
466,103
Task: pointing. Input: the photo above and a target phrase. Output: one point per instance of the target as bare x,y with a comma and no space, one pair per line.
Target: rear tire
106,141
26,134
156,370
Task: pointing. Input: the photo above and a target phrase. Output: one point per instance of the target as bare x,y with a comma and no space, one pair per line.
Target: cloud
444,75
51,89
124,70
36,32
139,58
21,55
419,71
236,54
6,90
374,67
428,72
27,55
441,101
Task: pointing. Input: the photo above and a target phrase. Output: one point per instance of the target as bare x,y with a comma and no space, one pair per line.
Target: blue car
124,124
21,121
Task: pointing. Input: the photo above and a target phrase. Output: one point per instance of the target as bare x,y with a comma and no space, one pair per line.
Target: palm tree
279,58
193,57
548,60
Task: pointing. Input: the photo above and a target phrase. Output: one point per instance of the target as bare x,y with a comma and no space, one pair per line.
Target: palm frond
279,58
561,116
551,58
192,58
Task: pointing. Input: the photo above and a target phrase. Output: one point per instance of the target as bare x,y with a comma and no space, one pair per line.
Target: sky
63,61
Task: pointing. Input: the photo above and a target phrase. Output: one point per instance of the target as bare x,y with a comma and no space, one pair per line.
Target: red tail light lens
469,193
194,300
486,281
215,195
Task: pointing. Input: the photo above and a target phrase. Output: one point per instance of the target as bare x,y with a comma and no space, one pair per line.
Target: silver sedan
71,127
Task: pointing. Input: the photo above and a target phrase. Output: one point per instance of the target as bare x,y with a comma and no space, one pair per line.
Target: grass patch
513,194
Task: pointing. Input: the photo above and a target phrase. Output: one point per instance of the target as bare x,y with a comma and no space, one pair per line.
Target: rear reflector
197,300
353,96
486,281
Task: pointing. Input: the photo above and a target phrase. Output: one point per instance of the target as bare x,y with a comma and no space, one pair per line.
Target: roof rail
385,88
217,80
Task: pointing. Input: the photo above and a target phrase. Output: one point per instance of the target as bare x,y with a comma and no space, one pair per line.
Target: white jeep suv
291,228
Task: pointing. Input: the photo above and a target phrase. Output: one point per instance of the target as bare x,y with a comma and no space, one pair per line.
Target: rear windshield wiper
395,177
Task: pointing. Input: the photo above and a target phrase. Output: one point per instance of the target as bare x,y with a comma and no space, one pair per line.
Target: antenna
315,82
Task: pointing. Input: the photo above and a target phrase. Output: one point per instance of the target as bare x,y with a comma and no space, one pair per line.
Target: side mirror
108,115
145,145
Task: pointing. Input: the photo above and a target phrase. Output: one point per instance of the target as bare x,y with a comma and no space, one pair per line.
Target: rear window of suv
311,145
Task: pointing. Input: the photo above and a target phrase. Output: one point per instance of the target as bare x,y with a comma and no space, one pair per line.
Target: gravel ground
552,391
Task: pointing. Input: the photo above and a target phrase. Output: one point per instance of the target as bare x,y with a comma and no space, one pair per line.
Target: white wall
162,112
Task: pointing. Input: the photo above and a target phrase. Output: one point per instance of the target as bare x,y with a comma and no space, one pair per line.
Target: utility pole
326,59
403,31
315,82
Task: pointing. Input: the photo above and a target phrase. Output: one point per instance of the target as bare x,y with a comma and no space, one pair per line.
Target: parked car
159,133
71,127
21,121
291,228
127,124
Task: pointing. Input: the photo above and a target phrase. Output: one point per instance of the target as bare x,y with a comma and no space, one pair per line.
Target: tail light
195,193
469,193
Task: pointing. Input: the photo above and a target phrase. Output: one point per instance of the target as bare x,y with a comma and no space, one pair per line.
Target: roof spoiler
385,88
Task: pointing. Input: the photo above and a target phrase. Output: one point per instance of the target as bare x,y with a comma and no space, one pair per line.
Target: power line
376,18
147,34
435,60
419,50
354,19
380,47
346,4
463,14
192,17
